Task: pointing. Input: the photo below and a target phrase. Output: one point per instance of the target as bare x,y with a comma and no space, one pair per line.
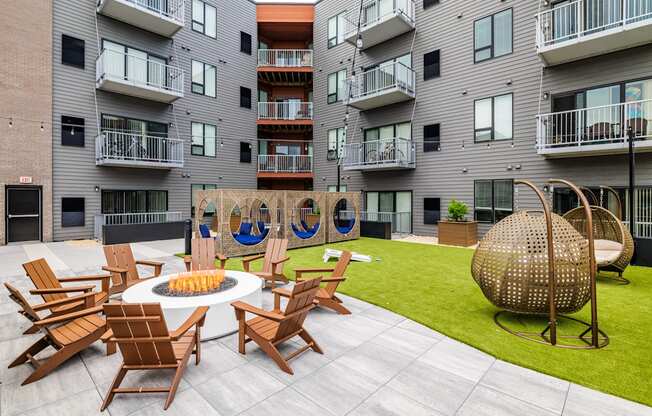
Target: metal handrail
171,9
381,78
372,14
285,110
396,150
284,58
120,145
285,163
131,218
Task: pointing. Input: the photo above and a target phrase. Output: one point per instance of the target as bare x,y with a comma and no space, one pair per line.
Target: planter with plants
457,230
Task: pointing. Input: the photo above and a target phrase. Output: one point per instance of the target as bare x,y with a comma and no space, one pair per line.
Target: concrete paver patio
375,362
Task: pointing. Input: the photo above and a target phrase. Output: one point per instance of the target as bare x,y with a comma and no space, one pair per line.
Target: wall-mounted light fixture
97,188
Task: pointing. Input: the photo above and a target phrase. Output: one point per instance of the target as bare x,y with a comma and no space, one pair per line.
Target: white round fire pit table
220,319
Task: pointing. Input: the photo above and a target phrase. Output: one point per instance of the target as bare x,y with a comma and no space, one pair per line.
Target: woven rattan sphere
511,265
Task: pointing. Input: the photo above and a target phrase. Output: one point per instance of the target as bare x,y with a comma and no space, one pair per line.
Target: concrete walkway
375,363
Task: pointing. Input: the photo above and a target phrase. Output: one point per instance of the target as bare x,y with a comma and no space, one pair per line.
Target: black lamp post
632,180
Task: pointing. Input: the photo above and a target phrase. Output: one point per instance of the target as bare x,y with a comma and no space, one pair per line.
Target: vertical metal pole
632,180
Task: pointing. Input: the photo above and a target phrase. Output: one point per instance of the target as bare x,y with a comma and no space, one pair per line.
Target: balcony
296,166
285,66
585,28
380,21
595,131
164,17
384,85
127,149
135,76
285,113
376,155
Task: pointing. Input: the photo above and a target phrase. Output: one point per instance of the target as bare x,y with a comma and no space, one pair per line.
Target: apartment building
455,99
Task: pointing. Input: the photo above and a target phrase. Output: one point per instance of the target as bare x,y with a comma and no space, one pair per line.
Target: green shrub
457,210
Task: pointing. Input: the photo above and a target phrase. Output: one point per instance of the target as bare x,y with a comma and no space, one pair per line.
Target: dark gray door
23,214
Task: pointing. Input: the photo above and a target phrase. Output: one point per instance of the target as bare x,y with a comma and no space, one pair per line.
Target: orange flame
201,281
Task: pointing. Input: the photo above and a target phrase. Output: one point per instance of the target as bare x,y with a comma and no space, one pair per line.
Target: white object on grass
330,252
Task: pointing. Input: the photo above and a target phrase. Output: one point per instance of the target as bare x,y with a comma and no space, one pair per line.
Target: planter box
376,229
462,234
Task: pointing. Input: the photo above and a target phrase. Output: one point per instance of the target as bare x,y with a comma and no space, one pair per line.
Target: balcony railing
164,17
285,163
134,218
597,129
395,153
284,111
133,75
119,148
589,20
383,85
401,221
285,58
380,20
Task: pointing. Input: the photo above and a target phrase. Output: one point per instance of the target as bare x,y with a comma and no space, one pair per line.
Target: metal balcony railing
284,110
134,218
285,58
593,126
114,147
382,78
395,152
376,11
285,163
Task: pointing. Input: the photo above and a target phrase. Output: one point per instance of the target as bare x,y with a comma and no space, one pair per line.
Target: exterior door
23,214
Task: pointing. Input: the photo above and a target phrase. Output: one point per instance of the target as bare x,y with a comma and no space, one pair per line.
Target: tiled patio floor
375,363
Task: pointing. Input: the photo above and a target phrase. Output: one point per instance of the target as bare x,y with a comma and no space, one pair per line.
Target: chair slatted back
276,250
120,255
43,277
340,269
18,297
146,324
298,306
203,254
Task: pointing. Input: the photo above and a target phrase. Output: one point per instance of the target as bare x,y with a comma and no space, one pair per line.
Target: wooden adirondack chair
326,295
122,266
68,334
49,287
271,328
275,258
203,255
146,344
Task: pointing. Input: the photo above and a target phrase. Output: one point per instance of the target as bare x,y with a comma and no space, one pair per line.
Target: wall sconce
97,188
546,188
464,170
517,167
546,95
464,92
509,82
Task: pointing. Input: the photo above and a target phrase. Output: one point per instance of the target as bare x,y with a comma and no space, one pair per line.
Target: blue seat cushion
245,228
204,231
248,240
305,225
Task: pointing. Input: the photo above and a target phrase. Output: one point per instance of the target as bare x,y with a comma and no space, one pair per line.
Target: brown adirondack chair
50,288
271,328
203,255
146,344
68,334
275,258
326,295
122,266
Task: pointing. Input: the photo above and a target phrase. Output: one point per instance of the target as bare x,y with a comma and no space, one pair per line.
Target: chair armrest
107,336
282,292
300,272
157,265
84,288
245,307
86,297
221,257
105,278
197,318
69,316
332,279
113,269
252,258
275,262
187,260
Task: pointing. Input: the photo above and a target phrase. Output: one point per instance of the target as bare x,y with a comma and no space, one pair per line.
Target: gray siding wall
449,28
75,172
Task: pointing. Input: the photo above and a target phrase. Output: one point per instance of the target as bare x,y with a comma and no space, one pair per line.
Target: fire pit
179,295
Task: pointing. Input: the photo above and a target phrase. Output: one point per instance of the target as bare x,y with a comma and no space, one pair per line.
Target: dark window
431,65
493,199
72,51
122,202
209,211
72,212
431,138
245,43
72,131
245,152
492,36
431,210
245,97
428,3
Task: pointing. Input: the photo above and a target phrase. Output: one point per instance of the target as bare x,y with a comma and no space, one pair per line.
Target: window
336,141
72,51
336,86
333,188
72,212
431,65
124,202
72,131
204,18
493,36
493,118
245,97
210,209
203,78
431,138
245,43
203,139
245,152
336,30
493,200
428,3
431,210
394,207
391,131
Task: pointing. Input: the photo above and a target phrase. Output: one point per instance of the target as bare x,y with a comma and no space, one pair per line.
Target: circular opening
206,213
305,219
344,216
250,227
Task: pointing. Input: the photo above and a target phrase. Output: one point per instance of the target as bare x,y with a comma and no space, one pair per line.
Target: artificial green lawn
433,285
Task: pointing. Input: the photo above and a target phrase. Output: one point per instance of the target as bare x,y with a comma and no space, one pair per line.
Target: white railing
170,9
401,221
285,163
114,145
284,58
141,72
595,125
285,111
382,78
376,11
379,152
134,218
587,17
642,212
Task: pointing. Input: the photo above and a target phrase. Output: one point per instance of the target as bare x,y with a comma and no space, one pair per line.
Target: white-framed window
336,30
336,86
494,118
204,138
333,188
335,142
203,78
204,18
492,36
